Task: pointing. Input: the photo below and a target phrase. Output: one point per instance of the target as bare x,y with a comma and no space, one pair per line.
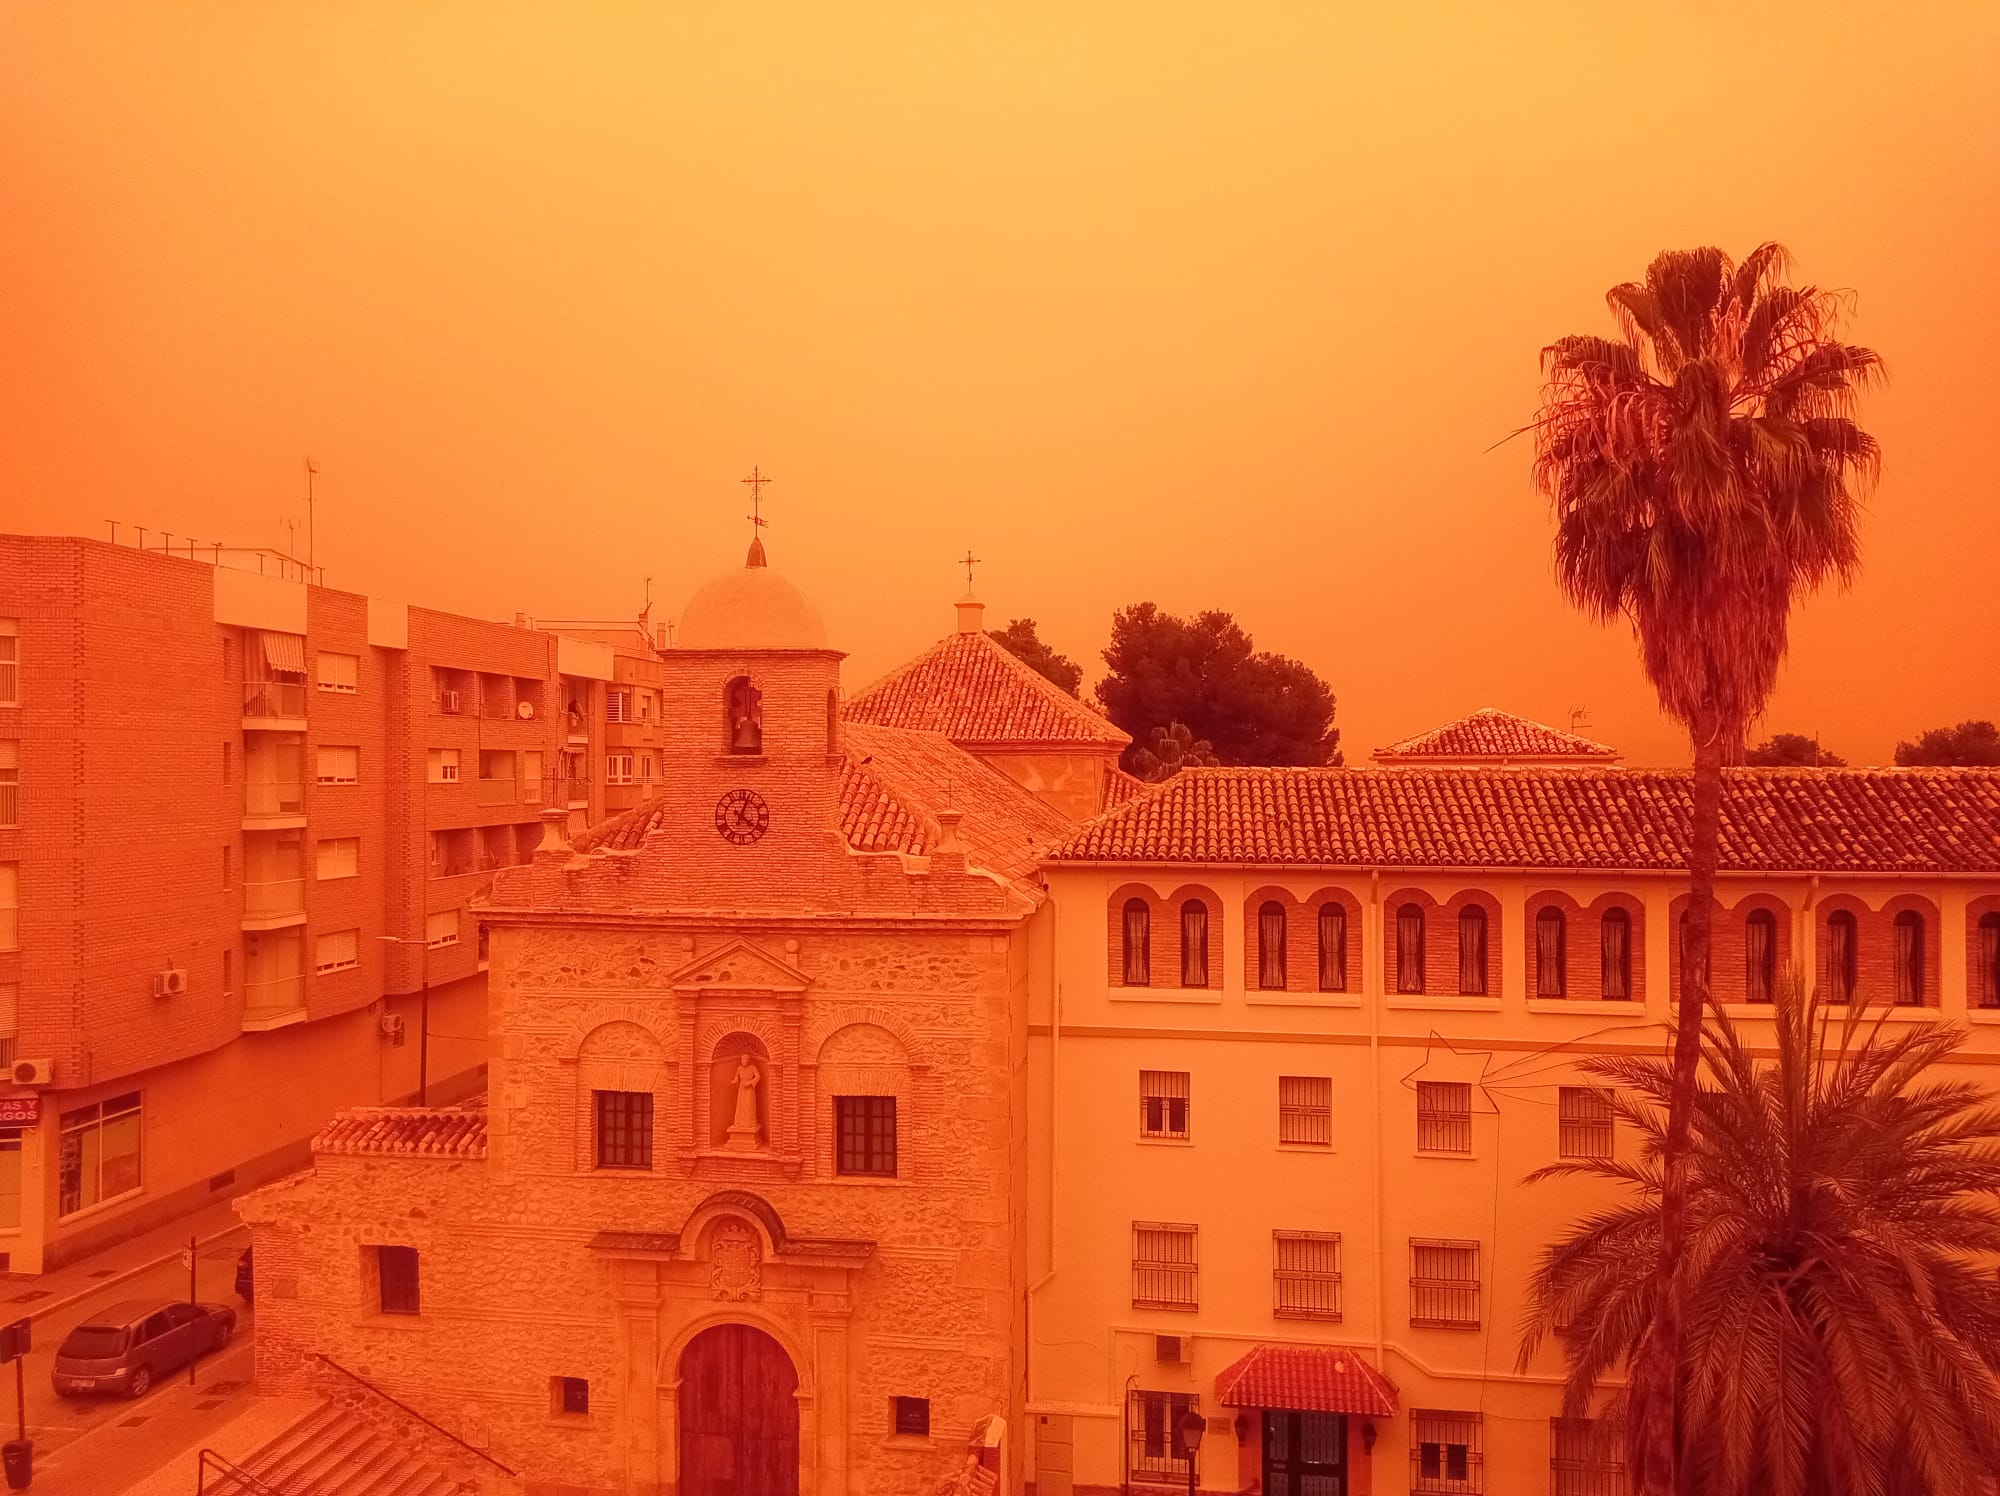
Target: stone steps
331,1452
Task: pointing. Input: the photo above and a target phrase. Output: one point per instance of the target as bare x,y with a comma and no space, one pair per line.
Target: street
94,1446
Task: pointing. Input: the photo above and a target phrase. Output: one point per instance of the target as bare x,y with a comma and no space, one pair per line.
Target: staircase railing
227,1477
405,1407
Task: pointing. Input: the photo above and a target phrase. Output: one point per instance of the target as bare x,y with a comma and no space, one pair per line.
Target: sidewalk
249,1431
36,1296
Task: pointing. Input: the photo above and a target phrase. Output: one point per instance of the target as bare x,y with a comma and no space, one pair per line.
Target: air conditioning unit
170,983
392,1027
448,701
1176,1350
34,1072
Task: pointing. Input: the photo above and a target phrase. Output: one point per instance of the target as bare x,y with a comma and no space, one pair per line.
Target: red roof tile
974,691
1773,820
405,1132
1308,1379
1490,733
1122,787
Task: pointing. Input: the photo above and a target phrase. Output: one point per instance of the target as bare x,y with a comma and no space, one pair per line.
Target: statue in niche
746,716
745,1136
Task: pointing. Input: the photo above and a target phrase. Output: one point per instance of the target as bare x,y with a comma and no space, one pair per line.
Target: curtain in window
1989,961
1549,976
1840,957
1472,950
1910,959
1271,946
1616,935
1194,944
1332,948
1138,940
1410,949
1759,956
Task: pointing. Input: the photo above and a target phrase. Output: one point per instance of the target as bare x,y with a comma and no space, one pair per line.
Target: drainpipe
1372,968
1055,1153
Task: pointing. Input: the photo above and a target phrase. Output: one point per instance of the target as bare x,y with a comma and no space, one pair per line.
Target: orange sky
1214,305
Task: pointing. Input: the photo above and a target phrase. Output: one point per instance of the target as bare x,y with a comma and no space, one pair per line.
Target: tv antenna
1579,717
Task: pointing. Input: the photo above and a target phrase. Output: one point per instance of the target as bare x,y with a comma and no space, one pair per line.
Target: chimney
971,615
949,843
555,834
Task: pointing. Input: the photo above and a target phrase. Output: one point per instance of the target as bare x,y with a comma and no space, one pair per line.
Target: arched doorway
739,1415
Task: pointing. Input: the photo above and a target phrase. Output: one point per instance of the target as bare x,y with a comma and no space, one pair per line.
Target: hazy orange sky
1221,306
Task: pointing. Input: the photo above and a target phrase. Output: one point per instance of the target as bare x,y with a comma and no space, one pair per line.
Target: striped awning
1306,1379
284,651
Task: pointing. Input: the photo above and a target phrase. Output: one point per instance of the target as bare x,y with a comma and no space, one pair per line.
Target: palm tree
1843,1314
1174,748
1704,467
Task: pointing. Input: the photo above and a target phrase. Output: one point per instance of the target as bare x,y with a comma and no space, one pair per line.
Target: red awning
1306,1379
285,652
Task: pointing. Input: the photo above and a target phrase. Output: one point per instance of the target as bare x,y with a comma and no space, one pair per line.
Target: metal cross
969,560
756,482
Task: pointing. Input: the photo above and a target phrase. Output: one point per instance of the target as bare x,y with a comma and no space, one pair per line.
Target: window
228,972
10,1177
10,662
1444,1116
339,857
1136,945
1583,1122
1615,934
1909,933
1444,1284
644,700
1760,956
335,764
1271,946
10,906
569,1395
1332,948
1163,1103
912,1416
531,777
864,1130
1305,1109
1410,948
1840,956
441,928
396,1271
1155,1423
443,765
100,1153
1163,1266
1305,1274
1194,944
1989,960
617,704
225,869
1472,951
1586,1458
1551,953
338,951
10,782
624,1129
618,768
339,672
10,1021
1446,1452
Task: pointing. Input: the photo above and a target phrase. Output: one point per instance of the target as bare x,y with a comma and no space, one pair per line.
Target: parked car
243,1276
129,1346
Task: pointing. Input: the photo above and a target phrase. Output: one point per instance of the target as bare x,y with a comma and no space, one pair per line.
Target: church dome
754,608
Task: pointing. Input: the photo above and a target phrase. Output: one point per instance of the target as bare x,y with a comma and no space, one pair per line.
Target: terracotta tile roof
622,832
1773,820
973,691
1308,1379
1490,733
405,1132
1122,787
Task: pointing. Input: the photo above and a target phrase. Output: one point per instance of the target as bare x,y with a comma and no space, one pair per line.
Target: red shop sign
20,1111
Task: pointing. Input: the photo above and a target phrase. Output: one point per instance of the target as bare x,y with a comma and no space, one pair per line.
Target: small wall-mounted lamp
1242,1428
1368,1437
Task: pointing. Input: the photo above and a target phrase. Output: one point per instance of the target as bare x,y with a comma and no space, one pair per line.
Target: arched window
1910,959
1271,946
1194,944
743,716
1989,960
1840,956
1138,943
1760,956
1472,950
1615,935
1551,953
1332,948
1410,948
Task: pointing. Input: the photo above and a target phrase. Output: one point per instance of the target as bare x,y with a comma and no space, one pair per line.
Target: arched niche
740,1077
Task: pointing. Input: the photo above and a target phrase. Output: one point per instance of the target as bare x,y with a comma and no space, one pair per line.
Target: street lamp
1192,1428
423,1017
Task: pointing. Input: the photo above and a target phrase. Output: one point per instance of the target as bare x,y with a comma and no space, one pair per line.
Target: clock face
741,816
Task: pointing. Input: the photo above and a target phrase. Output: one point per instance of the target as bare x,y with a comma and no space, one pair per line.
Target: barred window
864,1131
1163,1266
1332,948
1444,1284
1760,956
624,1129
1305,1109
1447,1452
1615,935
396,1276
912,1416
1271,946
1583,1122
1194,944
1472,951
1410,948
1444,1116
1305,1274
1138,943
1909,931
1551,953
1163,1103
1840,956
1586,1458
1155,1422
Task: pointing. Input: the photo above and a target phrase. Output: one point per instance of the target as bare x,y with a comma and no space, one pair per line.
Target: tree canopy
1174,748
1020,640
1968,745
1793,750
1204,674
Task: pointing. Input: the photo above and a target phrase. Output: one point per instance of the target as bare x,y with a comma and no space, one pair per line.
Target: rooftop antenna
291,535
311,551
114,530
142,535
1579,717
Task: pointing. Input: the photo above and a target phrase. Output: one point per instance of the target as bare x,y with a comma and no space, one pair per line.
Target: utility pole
194,1310
311,550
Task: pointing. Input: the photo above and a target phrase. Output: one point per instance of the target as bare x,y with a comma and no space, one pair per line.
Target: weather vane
756,482
969,560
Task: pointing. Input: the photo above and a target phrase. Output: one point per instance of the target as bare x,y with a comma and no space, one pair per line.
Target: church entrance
739,1417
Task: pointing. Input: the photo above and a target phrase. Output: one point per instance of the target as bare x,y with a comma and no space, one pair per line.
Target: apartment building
620,713
242,819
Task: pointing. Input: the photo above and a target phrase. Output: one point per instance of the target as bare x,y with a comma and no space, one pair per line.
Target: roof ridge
1563,740
976,690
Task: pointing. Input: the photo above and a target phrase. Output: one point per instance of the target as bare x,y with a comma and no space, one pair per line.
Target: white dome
754,608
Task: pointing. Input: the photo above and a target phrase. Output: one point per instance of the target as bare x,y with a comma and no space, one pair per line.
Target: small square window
913,1416
569,1395
864,1129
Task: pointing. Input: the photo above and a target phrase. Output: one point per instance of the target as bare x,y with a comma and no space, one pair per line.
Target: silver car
129,1346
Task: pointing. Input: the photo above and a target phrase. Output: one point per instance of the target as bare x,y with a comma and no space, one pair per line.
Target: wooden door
739,1417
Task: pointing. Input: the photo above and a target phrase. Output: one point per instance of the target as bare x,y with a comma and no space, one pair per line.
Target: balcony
268,807
273,903
273,1001
499,791
272,705
577,792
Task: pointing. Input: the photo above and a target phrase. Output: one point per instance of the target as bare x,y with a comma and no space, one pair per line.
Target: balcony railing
273,994
576,791
274,799
273,698
274,898
498,791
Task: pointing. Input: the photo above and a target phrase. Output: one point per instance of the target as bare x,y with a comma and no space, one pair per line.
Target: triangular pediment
739,965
